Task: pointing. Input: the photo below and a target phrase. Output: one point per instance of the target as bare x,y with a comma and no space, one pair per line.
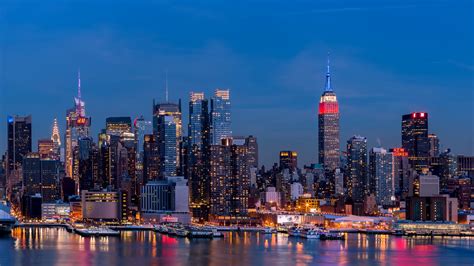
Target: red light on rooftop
422,114
413,115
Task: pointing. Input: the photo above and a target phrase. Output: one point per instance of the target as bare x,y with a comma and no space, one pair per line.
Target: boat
294,231
282,229
96,231
331,236
216,233
196,232
182,232
310,234
7,222
69,228
267,230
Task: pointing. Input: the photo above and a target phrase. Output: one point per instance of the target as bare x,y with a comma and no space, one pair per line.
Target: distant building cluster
139,170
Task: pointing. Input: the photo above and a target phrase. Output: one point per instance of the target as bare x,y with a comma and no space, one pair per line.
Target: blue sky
388,58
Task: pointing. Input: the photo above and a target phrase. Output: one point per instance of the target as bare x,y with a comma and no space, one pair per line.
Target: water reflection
51,246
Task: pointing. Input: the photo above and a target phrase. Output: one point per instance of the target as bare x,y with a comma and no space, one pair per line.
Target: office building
220,117
167,142
172,110
56,138
357,179
434,145
381,176
429,185
151,159
77,126
47,149
401,171
289,160
435,208
41,176
18,146
117,126
104,206
198,156
328,127
415,139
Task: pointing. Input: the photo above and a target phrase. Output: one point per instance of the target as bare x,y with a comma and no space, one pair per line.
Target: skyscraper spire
55,134
79,84
328,78
166,85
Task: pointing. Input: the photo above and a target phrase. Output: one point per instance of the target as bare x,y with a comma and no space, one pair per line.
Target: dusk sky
388,58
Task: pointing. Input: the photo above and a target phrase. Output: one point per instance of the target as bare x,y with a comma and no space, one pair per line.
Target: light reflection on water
52,246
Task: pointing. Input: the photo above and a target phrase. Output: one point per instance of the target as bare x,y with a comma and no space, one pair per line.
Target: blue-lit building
220,116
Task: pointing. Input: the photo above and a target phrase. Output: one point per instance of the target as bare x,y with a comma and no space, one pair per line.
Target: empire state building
328,127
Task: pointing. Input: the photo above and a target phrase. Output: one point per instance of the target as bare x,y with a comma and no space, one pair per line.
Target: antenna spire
79,84
328,78
166,84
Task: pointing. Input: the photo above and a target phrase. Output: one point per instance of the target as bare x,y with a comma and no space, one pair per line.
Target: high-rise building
289,160
220,116
86,160
151,159
198,158
381,176
357,179
19,143
434,145
118,125
415,138
41,176
173,110
56,138
142,127
47,149
328,127
429,185
167,140
77,125
230,180
401,171
252,150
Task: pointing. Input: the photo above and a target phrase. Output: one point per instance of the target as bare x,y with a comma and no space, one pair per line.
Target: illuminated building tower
56,138
381,176
47,149
41,176
151,159
86,159
289,160
220,116
357,183
252,150
434,145
401,172
173,110
167,141
328,127
118,125
142,127
230,181
198,158
77,125
18,146
415,139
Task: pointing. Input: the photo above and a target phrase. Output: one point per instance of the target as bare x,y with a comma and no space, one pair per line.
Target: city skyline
371,86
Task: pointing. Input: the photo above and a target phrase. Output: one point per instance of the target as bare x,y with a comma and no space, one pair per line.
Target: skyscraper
56,138
41,176
173,110
167,140
77,125
415,138
381,176
289,160
118,125
151,159
47,149
357,184
230,180
198,158
434,145
220,116
19,145
328,126
401,172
